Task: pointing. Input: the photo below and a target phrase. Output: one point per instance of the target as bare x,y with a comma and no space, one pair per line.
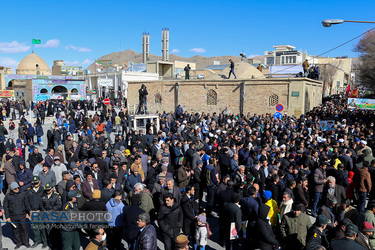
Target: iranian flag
98,64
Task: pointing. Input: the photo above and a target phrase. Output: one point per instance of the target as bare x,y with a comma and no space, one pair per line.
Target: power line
329,49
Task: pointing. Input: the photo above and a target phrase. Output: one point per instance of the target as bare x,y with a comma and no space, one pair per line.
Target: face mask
104,237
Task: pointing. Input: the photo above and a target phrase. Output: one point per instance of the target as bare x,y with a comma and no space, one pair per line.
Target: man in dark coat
264,236
146,238
331,188
347,243
131,214
16,208
189,208
34,196
328,210
170,220
233,213
34,158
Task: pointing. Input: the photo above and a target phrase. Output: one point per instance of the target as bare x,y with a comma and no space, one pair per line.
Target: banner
6,93
327,125
361,103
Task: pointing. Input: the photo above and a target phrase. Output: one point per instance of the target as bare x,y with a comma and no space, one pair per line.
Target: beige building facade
297,95
3,71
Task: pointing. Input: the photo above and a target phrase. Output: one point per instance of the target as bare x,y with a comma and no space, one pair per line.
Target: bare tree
366,64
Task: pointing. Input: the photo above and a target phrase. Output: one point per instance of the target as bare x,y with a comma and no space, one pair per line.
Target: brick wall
192,95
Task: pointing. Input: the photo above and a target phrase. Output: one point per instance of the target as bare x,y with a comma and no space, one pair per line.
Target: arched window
74,92
158,98
211,97
273,100
43,91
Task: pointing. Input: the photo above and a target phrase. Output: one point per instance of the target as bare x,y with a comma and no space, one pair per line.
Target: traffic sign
106,101
279,107
277,115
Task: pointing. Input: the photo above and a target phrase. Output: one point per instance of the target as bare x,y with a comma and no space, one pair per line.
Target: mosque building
33,81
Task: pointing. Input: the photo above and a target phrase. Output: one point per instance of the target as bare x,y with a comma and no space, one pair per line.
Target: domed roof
32,64
241,69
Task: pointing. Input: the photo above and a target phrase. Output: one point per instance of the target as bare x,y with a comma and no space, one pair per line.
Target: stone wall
254,96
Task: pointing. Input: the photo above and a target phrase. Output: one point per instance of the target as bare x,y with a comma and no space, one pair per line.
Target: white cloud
83,49
77,63
8,62
175,51
198,50
70,47
13,47
71,63
79,49
53,43
87,61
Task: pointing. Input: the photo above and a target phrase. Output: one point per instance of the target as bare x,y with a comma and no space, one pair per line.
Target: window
273,100
43,91
282,60
211,97
158,98
270,61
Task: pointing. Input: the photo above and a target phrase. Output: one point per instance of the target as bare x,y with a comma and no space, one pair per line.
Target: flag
98,64
348,89
36,41
354,93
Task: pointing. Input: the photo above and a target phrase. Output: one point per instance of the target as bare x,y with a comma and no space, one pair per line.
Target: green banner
36,41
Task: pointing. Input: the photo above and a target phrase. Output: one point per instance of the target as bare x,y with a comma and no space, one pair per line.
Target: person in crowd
170,219
294,227
147,238
130,216
115,207
16,209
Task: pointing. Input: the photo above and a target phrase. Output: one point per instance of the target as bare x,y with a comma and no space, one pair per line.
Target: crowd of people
263,180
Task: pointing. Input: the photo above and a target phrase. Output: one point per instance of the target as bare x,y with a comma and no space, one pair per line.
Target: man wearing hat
58,168
24,176
369,216
294,227
316,234
47,176
89,185
363,237
51,201
182,242
328,209
348,242
16,209
69,231
10,171
34,195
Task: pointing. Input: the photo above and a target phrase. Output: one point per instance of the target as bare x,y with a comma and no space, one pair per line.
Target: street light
329,22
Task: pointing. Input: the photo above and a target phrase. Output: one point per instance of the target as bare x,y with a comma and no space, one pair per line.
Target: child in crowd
201,233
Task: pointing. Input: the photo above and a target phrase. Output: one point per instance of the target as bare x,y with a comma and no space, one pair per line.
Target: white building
284,55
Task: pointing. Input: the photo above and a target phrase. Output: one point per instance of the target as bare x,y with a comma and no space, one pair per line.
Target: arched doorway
44,91
74,92
59,91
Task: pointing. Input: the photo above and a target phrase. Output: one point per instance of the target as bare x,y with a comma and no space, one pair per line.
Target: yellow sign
6,93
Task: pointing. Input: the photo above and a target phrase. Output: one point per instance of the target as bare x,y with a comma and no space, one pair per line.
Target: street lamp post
329,22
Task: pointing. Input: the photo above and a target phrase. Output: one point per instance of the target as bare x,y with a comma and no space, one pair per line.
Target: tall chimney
145,46
165,44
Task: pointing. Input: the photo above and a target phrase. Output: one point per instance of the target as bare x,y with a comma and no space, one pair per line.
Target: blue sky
78,32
